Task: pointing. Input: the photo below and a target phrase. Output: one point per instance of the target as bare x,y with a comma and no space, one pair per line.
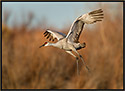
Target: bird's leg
84,63
82,60
77,60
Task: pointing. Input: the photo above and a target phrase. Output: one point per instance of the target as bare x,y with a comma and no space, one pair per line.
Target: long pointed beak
41,45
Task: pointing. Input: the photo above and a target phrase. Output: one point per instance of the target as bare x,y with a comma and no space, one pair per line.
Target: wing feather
52,35
77,26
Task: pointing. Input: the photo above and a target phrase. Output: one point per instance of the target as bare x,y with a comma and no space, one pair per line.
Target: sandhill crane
70,41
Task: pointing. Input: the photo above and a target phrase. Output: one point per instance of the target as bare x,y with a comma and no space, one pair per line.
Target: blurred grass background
25,66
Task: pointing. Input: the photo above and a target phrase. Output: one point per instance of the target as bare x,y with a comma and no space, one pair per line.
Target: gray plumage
70,41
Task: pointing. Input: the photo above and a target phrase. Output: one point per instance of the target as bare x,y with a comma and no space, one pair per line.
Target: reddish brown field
26,66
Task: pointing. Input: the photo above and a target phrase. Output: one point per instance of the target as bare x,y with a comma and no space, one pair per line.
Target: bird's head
45,44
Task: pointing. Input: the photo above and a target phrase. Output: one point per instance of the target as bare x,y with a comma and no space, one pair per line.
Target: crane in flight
70,41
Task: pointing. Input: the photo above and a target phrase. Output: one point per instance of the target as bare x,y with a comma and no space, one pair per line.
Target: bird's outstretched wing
77,25
52,35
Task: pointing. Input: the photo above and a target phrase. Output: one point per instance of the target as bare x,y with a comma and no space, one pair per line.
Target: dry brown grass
25,66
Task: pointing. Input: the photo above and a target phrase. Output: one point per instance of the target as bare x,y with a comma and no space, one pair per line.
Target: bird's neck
54,45
51,44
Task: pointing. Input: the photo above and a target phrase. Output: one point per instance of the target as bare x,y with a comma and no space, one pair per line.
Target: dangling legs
82,59
77,60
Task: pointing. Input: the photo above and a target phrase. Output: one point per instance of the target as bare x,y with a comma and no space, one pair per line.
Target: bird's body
63,44
70,41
